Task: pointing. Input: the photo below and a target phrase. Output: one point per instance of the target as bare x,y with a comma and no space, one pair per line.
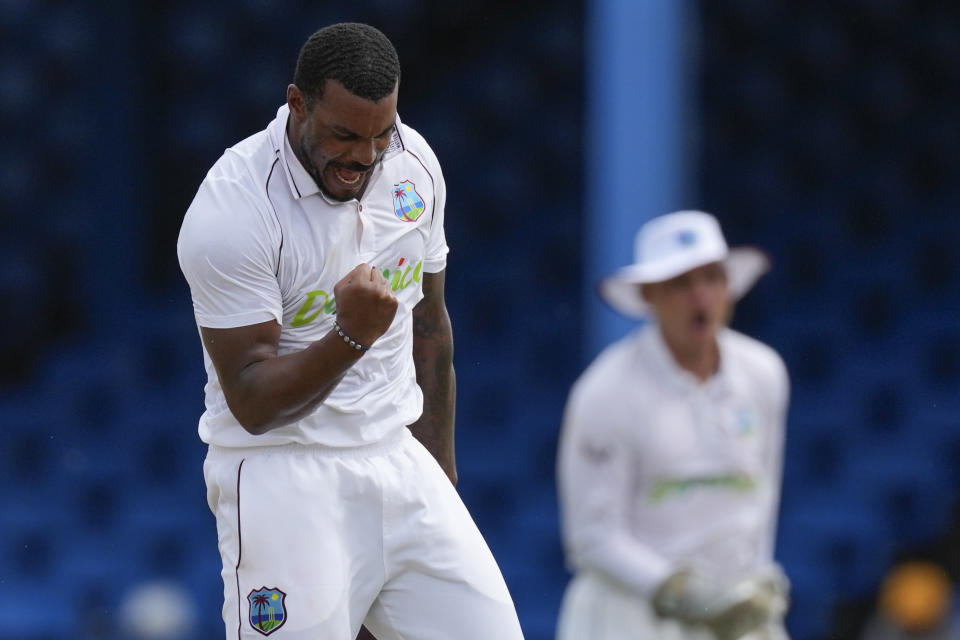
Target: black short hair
356,55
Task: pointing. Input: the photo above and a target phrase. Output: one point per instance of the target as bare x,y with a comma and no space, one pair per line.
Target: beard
315,172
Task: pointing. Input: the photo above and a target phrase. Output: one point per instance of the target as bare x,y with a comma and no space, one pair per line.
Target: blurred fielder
670,456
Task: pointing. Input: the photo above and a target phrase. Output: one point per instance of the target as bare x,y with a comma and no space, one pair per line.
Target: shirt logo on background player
745,423
407,203
267,609
665,488
595,453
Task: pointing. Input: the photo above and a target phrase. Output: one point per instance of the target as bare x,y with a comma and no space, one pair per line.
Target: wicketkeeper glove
732,609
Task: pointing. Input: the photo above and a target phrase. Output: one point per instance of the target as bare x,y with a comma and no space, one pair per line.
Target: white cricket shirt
261,242
656,468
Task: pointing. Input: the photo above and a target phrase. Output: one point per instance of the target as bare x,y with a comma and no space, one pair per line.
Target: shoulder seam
433,182
273,207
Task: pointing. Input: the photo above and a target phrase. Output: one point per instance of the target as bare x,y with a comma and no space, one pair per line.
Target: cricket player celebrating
315,255
669,467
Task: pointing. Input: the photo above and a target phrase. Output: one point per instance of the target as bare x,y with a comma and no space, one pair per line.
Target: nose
701,291
364,152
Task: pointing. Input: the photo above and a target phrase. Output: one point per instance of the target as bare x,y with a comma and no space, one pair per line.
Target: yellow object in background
917,595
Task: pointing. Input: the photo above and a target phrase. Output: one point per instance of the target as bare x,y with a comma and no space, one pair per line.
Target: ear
297,102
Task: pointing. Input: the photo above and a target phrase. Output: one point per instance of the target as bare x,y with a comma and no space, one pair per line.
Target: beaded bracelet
350,341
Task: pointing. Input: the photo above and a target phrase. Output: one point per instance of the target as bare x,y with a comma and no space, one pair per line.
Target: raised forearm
281,390
277,391
265,390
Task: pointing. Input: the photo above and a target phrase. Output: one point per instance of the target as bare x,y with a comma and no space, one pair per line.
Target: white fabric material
597,608
672,244
260,242
657,471
374,535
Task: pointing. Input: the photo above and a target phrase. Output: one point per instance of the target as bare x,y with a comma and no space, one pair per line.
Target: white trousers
317,541
596,608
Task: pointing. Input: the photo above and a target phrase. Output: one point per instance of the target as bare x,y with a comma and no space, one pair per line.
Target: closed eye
345,135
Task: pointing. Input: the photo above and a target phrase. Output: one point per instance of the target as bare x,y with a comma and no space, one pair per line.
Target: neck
701,360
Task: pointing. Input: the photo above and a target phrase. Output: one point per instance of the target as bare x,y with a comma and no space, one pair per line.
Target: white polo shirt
260,242
657,469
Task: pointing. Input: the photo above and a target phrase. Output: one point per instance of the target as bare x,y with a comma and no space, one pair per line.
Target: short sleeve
227,249
436,249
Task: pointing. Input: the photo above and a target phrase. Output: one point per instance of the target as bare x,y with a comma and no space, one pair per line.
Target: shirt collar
665,365
302,183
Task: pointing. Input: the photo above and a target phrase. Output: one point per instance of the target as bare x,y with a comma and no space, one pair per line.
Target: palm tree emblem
407,203
267,609
260,601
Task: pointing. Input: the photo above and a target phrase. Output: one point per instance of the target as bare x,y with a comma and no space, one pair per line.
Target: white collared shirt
658,470
261,242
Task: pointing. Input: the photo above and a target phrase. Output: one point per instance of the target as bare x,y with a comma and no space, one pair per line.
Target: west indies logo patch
407,203
267,609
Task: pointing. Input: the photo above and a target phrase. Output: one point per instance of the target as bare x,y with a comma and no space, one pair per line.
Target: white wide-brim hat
671,245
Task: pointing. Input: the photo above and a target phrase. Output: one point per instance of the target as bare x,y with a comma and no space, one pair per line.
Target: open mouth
347,177
700,321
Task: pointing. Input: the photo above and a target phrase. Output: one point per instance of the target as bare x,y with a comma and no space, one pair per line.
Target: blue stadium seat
904,486
831,549
30,615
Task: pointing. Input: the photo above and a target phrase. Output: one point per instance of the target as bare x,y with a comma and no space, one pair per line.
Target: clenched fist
365,304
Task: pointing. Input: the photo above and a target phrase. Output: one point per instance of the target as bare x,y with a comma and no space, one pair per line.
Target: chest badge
745,423
407,203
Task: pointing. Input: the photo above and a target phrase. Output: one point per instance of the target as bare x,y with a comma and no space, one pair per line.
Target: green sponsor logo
327,305
671,487
320,301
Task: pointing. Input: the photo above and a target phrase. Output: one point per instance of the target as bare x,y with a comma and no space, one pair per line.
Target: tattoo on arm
433,357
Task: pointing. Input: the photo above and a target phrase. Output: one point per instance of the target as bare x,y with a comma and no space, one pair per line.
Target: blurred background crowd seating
827,136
